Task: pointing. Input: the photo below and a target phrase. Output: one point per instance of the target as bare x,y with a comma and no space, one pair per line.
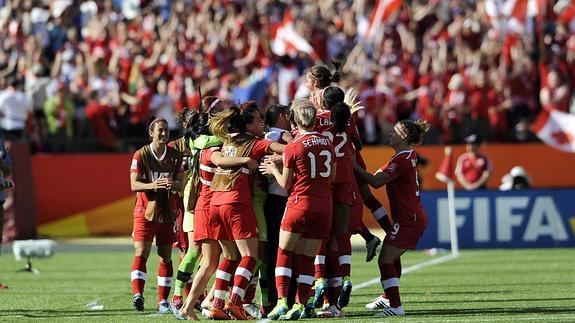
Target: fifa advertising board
537,218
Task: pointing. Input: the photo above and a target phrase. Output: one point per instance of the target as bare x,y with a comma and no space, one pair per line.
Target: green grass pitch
485,285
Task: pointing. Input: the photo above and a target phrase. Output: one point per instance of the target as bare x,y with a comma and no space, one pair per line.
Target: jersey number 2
327,163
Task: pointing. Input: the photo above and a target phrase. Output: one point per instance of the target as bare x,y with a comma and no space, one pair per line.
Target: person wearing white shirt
15,109
277,119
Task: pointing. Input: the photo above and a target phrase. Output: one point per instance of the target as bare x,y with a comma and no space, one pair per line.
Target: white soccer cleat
206,313
391,311
379,303
331,311
253,310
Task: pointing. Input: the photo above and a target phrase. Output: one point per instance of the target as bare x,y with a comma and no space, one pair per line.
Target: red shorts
202,225
312,225
234,221
342,193
359,160
356,215
177,203
145,230
404,237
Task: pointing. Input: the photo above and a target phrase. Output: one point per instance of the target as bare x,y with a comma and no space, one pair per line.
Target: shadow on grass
444,293
72,313
473,312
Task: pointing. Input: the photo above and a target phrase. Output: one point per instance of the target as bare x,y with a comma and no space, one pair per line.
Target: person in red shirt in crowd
555,95
409,220
139,111
479,104
156,170
473,168
309,166
236,226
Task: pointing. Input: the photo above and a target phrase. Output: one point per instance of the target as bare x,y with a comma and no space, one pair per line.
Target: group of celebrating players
237,193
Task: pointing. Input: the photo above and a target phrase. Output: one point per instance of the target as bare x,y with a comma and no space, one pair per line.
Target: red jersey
207,171
241,191
472,167
342,142
403,190
311,156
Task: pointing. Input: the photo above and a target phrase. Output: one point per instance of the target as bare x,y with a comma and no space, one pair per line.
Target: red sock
390,283
165,277
283,272
223,277
305,278
319,263
344,246
251,291
334,281
138,275
242,279
378,212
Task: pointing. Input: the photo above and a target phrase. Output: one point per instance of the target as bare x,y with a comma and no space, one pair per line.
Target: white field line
409,269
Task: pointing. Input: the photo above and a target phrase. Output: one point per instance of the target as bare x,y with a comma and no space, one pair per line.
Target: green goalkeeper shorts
259,200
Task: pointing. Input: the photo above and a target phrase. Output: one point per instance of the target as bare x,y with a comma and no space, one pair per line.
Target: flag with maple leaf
556,129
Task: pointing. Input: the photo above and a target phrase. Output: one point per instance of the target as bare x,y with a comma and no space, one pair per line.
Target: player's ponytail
340,115
198,126
335,76
415,130
323,75
222,123
332,95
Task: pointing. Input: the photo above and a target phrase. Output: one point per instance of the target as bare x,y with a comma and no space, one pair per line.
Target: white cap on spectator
455,82
130,8
38,15
89,8
59,6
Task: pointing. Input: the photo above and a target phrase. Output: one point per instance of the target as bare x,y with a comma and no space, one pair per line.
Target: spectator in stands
15,109
59,112
450,52
473,168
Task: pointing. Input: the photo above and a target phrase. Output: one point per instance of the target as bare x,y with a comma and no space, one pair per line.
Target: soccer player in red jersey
202,170
156,170
308,168
241,128
408,217
334,121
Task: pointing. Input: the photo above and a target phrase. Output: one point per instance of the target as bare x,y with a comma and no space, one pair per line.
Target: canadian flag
383,10
286,41
556,129
445,172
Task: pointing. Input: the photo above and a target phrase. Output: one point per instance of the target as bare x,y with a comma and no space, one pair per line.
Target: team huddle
271,199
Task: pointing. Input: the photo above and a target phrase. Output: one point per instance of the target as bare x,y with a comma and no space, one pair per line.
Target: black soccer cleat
138,302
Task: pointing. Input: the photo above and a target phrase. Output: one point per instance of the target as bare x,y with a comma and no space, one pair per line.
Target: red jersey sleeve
136,160
260,148
394,168
288,156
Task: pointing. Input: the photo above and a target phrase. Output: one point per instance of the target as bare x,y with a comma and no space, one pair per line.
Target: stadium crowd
89,75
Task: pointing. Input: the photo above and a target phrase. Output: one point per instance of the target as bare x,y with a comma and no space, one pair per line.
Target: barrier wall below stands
78,195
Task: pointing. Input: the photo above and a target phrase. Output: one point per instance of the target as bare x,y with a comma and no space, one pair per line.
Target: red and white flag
556,129
445,172
286,41
383,10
